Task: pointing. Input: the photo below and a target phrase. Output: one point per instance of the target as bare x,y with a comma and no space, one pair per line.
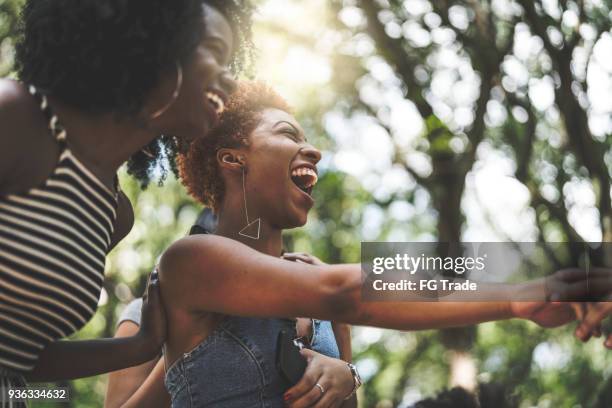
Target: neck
232,221
102,142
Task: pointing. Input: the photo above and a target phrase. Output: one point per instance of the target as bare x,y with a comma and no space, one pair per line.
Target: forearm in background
66,360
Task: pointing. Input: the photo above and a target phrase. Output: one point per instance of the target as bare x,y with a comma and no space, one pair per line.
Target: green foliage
523,364
439,137
9,12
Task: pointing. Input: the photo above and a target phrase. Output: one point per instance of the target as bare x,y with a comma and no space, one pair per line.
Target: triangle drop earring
253,227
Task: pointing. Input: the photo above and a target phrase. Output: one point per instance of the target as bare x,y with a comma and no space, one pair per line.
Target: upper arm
122,384
9,107
21,125
216,274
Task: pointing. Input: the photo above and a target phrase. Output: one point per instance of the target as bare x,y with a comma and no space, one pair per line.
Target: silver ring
320,388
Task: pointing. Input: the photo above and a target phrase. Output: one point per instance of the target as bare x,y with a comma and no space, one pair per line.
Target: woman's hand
590,324
561,294
153,322
326,383
302,257
546,314
543,312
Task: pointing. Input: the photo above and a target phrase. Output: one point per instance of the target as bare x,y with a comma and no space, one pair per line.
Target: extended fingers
308,380
332,396
579,309
298,256
295,393
152,291
152,284
592,320
329,400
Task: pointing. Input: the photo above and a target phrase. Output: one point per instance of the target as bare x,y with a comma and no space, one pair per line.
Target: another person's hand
590,324
532,300
560,295
153,322
545,313
302,257
596,284
326,383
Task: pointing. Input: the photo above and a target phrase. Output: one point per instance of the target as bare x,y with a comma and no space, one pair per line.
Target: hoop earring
252,228
175,94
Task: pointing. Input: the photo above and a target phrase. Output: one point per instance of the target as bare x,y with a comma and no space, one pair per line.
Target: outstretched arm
217,274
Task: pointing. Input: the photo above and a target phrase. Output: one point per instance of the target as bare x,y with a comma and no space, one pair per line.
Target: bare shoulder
11,91
205,248
16,103
208,256
22,126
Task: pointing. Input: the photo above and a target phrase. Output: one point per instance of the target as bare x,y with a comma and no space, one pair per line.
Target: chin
296,220
303,219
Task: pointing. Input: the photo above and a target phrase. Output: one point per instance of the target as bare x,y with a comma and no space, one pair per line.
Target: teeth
217,101
305,171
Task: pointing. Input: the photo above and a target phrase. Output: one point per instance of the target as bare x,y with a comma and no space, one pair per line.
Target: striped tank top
53,244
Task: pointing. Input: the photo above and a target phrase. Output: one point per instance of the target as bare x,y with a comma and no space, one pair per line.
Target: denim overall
235,366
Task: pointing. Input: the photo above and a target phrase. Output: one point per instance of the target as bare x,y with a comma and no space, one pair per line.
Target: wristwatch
356,380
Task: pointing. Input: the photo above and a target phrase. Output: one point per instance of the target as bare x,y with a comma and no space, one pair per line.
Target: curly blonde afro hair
197,165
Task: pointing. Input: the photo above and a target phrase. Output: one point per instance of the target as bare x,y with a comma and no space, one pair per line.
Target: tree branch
588,150
524,151
538,26
394,53
399,157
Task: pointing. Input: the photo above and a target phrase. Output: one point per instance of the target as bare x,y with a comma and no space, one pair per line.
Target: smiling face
281,170
257,136
206,82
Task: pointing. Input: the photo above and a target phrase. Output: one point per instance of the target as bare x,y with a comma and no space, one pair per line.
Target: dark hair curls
198,167
106,56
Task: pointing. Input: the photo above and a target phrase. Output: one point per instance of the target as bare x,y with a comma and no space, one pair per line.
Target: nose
228,82
311,153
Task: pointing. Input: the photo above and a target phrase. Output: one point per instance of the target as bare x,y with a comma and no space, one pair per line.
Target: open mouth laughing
304,177
216,101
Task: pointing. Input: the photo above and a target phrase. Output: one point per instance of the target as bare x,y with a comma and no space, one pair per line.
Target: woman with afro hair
101,82
227,294
228,344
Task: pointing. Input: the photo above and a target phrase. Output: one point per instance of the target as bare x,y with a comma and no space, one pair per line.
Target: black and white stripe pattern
53,244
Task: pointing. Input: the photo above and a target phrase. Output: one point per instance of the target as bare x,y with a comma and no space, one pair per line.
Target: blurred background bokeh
474,120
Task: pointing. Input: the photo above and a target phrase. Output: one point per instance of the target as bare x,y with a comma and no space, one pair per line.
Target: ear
231,159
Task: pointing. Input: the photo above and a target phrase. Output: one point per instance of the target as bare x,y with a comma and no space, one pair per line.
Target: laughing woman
101,80
226,360
257,171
